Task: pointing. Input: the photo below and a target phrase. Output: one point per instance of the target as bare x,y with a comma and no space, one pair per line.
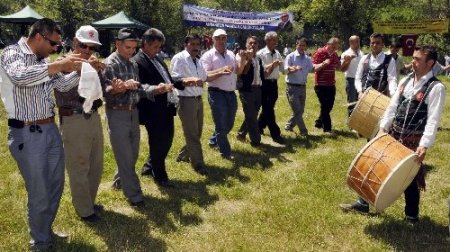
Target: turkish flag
408,44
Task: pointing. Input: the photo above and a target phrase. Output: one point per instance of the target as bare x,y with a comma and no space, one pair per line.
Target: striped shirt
26,87
326,76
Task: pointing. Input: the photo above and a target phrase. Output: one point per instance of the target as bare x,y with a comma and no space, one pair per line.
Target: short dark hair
428,50
153,34
192,36
377,35
396,44
45,26
301,39
251,37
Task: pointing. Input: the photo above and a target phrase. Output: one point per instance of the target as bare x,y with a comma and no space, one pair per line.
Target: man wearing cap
273,65
33,137
156,114
221,66
123,91
82,133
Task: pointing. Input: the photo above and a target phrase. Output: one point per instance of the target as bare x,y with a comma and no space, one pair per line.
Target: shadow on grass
123,233
426,235
167,213
74,246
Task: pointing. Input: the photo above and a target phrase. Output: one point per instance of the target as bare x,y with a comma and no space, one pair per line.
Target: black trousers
160,136
269,96
326,95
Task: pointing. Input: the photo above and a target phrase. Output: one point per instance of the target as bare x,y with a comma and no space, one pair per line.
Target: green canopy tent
24,17
118,21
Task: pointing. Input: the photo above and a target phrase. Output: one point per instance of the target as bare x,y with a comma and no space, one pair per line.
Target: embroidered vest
376,78
411,115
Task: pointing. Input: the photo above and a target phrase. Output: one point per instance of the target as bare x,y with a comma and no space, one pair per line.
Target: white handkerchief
89,87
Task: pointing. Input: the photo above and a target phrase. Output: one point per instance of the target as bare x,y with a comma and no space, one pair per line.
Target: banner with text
429,26
194,15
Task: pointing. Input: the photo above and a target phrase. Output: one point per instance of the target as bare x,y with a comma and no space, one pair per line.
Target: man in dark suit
156,116
285,25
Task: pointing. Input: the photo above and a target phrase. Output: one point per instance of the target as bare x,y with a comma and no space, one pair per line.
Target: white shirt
351,70
435,101
267,58
182,65
256,71
374,62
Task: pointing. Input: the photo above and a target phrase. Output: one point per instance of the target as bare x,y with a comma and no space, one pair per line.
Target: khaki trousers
83,149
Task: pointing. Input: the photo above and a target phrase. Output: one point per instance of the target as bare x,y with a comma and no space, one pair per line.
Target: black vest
245,80
416,115
376,78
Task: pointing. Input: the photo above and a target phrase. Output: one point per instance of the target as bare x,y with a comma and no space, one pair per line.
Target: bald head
354,42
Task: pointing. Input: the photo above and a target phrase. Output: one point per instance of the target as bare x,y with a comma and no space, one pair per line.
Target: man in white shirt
376,69
273,65
186,66
349,68
412,118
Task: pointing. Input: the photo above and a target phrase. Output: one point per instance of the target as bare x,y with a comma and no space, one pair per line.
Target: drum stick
351,104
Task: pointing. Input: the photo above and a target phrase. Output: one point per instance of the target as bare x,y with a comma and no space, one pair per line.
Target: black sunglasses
51,42
84,46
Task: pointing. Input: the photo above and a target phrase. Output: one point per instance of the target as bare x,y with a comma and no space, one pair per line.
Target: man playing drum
376,69
412,118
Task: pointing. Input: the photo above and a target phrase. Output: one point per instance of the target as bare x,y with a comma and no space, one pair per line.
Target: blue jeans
223,107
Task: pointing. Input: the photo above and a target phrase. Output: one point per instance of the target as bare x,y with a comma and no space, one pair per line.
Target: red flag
408,44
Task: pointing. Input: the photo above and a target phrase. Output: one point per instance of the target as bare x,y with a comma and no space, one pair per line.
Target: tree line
315,19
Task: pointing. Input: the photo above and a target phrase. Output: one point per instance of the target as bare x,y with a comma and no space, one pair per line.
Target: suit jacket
286,28
148,110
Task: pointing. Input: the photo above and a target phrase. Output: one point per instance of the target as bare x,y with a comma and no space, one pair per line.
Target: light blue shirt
297,59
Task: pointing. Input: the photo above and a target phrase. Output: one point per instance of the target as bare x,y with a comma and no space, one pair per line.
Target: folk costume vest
376,78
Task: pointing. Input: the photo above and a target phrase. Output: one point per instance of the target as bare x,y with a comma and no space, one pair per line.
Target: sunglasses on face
51,42
84,46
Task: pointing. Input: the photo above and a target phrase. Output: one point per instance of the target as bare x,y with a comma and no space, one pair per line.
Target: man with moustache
273,65
123,92
413,117
249,83
187,67
221,67
326,62
82,134
157,114
297,65
33,137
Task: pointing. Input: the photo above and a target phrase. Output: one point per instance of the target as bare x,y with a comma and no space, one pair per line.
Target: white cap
87,34
219,32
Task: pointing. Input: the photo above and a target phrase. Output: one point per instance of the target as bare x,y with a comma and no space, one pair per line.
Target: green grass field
276,199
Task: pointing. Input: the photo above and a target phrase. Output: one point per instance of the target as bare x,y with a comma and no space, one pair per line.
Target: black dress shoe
147,170
279,140
98,208
93,218
201,169
165,184
138,204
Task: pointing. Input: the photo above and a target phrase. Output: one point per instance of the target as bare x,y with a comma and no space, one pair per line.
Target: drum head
396,183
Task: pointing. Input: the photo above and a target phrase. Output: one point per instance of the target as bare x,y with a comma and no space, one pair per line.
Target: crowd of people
139,88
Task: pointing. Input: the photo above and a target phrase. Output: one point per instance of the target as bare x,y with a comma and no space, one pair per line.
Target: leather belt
69,112
124,107
190,97
42,121
219,90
